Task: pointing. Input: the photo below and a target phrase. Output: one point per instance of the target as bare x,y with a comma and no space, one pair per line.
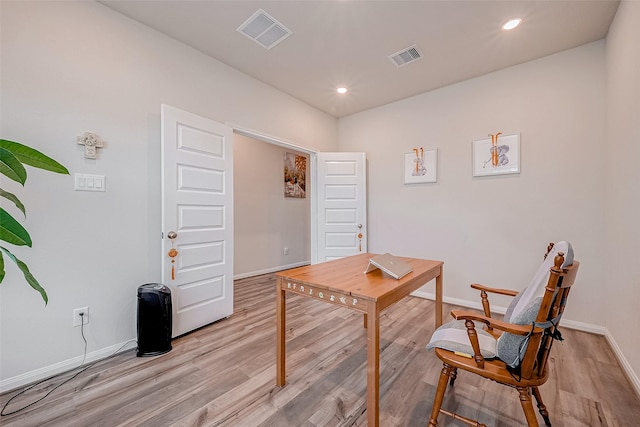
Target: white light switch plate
86,182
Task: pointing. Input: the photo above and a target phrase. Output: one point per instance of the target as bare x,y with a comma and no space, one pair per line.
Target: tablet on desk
389,264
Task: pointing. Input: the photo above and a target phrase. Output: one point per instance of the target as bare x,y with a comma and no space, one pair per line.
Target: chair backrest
535,288
554,300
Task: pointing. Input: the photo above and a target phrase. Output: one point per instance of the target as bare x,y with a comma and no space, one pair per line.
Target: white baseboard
584,327
270,270
64,366
567,323
457,301
626,367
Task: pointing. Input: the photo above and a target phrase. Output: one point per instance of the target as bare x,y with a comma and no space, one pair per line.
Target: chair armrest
485,299
507,292
495,323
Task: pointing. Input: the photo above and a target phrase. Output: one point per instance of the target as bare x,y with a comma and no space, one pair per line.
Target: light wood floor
224,375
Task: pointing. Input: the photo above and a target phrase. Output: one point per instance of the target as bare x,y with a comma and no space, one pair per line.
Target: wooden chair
532,371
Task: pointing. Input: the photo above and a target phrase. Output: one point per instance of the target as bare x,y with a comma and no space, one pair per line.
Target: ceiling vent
406,56
263,29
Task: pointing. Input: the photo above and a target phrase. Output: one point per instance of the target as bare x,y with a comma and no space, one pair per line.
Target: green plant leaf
27,275
1,267
11,231
32,157
11,166
14,199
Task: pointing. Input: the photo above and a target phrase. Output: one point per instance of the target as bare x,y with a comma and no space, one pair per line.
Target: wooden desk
343,282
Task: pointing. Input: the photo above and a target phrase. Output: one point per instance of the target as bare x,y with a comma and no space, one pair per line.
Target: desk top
346,275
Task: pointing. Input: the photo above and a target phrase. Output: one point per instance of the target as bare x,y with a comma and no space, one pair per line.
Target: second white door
341,205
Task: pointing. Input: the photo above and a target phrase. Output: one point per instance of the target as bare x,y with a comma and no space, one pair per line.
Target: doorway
271,232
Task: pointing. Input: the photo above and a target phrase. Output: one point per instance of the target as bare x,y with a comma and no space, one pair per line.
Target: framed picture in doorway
421,166
295,175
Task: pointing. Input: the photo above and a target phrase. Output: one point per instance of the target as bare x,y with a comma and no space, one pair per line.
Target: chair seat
494,369
453,336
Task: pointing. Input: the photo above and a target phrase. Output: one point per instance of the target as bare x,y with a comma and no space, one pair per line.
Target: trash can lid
154,287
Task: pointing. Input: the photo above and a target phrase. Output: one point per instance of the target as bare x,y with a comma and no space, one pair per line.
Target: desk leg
280,334
439,299
373,365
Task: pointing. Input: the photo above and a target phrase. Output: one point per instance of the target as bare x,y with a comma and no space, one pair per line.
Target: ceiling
348,43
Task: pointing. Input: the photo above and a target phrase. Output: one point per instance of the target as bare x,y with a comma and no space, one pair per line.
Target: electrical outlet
285,251
78,319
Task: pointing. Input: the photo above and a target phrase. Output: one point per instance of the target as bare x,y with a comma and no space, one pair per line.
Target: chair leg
527,406
445,374
541,407
454,375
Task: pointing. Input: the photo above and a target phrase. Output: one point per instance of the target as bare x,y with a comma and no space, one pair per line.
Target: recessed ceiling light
342,90
511,24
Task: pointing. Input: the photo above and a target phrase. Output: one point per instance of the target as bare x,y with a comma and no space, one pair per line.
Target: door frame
313,164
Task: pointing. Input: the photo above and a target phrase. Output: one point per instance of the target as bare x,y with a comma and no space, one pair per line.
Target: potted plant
13,157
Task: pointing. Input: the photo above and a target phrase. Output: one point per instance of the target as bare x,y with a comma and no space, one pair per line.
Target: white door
341,205
197,205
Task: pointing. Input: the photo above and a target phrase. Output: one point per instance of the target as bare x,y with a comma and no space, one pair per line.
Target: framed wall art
295,175
421,166
496,155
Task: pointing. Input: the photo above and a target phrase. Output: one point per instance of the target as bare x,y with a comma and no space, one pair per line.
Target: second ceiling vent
263,29
406,56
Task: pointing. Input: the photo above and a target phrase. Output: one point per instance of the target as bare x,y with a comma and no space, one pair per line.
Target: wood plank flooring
224,375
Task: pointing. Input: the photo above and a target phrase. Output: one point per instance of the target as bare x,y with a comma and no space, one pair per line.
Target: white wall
622,202
265,221
494,230
71,67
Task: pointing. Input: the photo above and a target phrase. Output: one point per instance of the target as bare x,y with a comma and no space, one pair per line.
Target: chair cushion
510,346
453,336
512,306
536,286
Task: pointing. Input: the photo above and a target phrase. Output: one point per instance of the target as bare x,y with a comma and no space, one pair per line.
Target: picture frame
496,155
295,176
421,166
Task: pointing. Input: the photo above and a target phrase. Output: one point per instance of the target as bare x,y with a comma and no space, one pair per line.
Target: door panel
197,200
341,205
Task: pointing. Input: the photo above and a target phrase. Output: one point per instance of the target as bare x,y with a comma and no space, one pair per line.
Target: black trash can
154,319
